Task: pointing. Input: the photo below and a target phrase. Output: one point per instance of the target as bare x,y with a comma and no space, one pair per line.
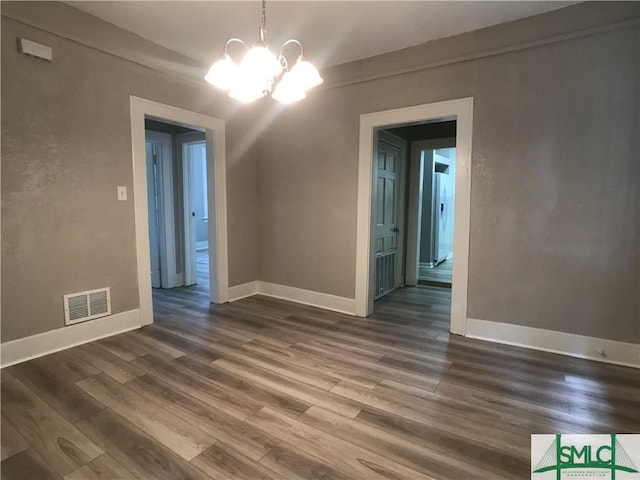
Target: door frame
217,196
462,111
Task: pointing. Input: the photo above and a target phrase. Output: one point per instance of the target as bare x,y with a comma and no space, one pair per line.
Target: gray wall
554,215
66,145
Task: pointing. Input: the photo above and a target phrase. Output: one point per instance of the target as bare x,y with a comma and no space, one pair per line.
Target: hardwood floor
266,389
439,276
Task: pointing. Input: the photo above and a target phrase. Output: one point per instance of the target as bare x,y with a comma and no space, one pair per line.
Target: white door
152,204
387,211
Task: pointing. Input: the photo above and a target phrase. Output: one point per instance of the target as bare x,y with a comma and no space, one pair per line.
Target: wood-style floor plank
294,464
539,418
179,436
12,441
102,468
435,416
266,389
219,461
54,385
225,428
351,459
389,446
457,447
5,375
306,393
134,450
245,388
183,344
301,374
57,441
321,365
107,362
27,465
421,379
66,364
148,345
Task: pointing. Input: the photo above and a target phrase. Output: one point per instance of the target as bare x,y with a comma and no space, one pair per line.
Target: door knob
395,229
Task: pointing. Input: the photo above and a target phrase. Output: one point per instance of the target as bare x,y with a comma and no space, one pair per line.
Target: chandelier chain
264,14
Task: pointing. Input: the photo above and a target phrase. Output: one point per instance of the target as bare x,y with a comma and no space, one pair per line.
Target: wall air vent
83,306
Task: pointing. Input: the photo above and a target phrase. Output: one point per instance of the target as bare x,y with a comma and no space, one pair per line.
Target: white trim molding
244,290
216,179
23,349
460,110
580,346
293,294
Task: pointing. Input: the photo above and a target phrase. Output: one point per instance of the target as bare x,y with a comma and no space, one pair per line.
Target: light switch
122,193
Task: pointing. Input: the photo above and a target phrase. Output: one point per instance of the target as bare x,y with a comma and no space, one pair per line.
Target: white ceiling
332,32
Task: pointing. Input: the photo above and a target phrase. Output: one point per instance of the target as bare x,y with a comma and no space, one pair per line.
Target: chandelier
261,73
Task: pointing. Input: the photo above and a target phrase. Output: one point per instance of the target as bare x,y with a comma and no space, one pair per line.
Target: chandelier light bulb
306,75
222,73
288,90
261,61
247,95
247,88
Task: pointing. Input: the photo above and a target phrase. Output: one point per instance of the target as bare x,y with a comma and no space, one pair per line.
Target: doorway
177,204
196,210
436,158
214,138
459,110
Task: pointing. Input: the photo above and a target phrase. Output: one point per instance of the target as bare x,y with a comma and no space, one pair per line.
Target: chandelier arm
291,40
231,40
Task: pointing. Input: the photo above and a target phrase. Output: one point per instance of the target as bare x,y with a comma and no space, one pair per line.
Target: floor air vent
82,306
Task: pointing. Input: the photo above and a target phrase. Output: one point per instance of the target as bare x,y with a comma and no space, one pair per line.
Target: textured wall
554,214
66,145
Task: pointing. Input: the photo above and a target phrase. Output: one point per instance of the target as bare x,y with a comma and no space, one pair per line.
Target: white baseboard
293,294
308,297
22,349
243,290
203,245
619,353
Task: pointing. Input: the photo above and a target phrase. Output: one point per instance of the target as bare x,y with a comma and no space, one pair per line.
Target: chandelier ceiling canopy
261,73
